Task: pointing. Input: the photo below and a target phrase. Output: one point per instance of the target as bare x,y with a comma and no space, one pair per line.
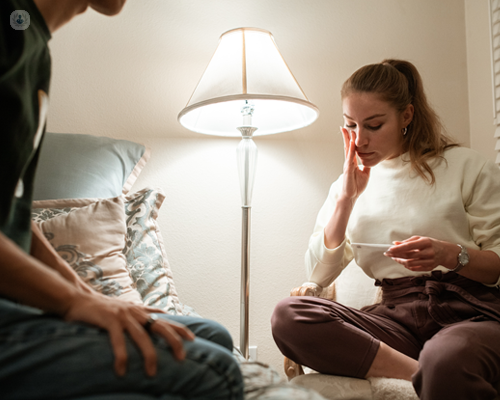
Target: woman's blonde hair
399,83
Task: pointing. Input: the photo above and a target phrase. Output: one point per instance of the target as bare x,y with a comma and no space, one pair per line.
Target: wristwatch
463,259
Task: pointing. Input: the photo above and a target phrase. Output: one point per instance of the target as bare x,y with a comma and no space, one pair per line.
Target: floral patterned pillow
145,252
90,236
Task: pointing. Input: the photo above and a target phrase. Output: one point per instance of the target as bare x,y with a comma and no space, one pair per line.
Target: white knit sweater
463,207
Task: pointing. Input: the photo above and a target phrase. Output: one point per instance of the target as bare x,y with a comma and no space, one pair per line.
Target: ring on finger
150,321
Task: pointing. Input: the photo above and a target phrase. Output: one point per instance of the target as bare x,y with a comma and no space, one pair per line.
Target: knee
448,356
444,363
453,369
297,314
216,333
282,320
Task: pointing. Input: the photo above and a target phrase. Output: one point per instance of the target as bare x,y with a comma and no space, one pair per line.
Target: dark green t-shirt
24,87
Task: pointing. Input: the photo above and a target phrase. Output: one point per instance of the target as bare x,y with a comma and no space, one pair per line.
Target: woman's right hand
355,179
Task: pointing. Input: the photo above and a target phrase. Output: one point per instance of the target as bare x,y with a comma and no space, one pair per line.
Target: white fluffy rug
392,389
343,388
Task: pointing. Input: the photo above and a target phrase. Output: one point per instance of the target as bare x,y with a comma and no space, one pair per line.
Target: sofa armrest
307,289
313,289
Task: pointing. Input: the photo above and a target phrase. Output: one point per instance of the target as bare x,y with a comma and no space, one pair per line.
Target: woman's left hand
420,253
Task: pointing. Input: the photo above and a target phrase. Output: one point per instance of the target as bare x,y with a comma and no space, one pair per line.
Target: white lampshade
247,66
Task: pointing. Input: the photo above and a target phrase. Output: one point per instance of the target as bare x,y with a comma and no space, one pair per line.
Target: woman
438,204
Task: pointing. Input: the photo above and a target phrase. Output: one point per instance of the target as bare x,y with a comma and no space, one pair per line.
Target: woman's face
378,126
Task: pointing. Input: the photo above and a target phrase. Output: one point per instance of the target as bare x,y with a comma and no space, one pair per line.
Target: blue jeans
43,357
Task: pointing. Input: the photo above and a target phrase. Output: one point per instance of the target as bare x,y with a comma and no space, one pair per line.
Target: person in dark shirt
59,338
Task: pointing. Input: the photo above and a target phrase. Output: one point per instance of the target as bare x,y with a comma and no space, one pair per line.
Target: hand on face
118,317
355,179
423,253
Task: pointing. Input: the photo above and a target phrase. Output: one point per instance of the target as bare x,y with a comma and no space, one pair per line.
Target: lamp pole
245,281
247,161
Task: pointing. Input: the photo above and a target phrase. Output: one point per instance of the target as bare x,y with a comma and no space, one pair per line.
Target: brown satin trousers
449,323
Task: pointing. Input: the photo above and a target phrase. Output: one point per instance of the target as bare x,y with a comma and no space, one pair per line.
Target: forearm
326,257
336,227
28,281
483,266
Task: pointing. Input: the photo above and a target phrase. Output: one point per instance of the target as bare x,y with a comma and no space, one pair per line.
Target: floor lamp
247,90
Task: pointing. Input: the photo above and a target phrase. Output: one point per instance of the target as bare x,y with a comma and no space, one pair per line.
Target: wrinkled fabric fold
445,293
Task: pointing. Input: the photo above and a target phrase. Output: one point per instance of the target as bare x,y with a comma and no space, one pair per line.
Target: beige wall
129,76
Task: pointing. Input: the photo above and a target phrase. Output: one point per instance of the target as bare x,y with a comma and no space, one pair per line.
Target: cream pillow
90,235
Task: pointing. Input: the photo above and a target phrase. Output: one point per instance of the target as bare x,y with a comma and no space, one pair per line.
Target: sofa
111,237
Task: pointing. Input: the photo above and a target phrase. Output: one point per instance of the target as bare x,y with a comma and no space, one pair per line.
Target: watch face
463,258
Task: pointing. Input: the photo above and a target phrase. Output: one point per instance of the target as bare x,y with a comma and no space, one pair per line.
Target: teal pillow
84,166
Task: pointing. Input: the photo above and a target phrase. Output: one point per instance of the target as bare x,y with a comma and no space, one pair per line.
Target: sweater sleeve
324,265
482,204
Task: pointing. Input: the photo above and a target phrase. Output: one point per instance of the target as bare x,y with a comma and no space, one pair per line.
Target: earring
404,130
